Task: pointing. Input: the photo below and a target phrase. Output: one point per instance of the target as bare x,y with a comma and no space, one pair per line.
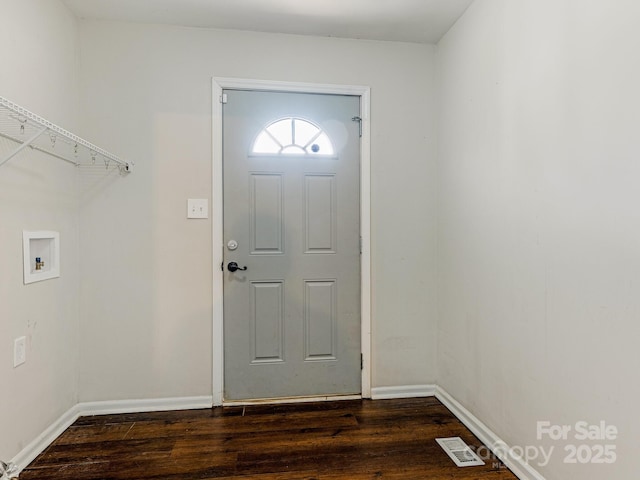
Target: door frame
221,83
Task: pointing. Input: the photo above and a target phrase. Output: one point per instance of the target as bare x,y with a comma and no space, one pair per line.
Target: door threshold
275,401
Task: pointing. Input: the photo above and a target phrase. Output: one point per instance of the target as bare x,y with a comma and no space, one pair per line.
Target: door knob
233,266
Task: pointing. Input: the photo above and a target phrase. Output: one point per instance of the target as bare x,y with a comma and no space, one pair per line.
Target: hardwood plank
355,440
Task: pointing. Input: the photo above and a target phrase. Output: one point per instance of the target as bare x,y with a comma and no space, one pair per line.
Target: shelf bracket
24,145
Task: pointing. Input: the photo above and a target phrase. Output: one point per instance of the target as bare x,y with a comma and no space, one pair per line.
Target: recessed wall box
41,254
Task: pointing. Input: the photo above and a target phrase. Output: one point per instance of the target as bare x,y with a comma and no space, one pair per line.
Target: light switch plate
197,208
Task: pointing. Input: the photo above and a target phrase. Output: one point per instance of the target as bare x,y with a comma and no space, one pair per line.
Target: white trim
29,453
280,86
403,391
218,85
365,232
516,464
144,405
279,401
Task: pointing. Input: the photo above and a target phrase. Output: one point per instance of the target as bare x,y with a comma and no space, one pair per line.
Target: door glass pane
282,131
293,136
293,150
304,132
266,144
321,146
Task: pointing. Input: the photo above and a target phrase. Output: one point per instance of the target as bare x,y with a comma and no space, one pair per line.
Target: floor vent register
459,452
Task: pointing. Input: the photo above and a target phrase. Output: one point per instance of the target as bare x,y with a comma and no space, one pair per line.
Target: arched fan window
292,136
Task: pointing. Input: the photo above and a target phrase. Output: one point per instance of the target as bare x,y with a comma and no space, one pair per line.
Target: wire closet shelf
30,130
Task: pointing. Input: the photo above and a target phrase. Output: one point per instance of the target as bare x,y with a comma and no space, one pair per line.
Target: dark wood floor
354,440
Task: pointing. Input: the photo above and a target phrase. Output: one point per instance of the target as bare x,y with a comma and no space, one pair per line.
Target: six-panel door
291,217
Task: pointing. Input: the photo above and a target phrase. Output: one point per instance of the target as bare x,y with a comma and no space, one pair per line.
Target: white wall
539,221
38,70
146,301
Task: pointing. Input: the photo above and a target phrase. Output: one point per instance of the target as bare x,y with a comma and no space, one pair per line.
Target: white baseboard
46,438
517,465
290,400
403,391
144,405
29,453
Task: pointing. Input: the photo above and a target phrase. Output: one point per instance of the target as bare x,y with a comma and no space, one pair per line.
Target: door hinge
359,120
360,245
223,98
222,266
361,361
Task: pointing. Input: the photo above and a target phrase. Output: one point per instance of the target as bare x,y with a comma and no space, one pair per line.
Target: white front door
291,165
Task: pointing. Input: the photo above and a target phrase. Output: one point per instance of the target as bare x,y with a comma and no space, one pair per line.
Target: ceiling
416,21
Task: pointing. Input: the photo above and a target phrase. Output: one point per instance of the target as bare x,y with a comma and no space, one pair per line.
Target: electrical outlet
19,351
197,208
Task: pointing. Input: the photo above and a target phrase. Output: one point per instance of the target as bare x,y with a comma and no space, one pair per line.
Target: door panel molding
267,321
320,216
320,325
266,201
218,85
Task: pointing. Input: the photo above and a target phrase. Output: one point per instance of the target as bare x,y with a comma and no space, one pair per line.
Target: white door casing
217,209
